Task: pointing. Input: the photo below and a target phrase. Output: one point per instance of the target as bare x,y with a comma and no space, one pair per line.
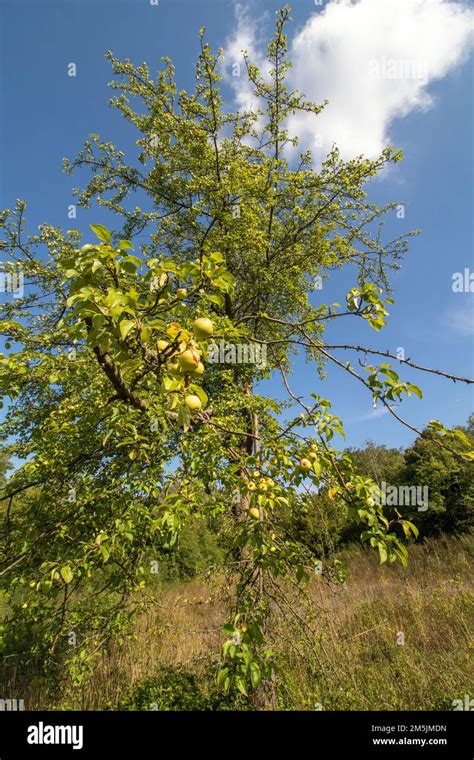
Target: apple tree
124,428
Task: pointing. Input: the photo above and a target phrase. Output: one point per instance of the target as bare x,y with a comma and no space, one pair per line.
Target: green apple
193,403
181,293
199,369
189,360
203,328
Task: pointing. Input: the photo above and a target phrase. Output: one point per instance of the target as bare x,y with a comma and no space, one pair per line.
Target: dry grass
344,656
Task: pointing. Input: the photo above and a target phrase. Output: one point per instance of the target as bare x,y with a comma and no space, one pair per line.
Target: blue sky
46,115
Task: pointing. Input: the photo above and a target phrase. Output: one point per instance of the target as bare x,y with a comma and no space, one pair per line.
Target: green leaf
255,675
125,245
221,676
101,232
414,389
382,552
133,260
200,393
66,574
410,527
241,686
126,325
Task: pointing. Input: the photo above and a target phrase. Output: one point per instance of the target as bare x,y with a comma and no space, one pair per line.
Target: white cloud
372,59
243,39
374,414
461,319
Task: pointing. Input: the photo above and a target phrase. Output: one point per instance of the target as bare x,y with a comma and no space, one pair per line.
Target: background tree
449,480
125,430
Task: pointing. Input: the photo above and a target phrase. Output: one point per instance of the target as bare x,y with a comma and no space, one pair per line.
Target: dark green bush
171,688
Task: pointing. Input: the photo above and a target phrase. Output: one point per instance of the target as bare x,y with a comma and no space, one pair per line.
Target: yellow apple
199,369
203,328
181,293
255,513
305,465
193,403
189,360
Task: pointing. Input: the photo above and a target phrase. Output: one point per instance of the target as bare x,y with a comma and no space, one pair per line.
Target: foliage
125,430
378,462
198,551
449,480
180,689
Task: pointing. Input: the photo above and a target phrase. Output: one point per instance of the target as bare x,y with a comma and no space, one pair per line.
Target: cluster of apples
188,361
262,484
307,462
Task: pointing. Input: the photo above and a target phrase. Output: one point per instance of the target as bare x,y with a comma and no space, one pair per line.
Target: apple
199,369
255,474
251,485
263,486
255,513
305,465
193,403
203,328
313,456
181,293
371,502
189,360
